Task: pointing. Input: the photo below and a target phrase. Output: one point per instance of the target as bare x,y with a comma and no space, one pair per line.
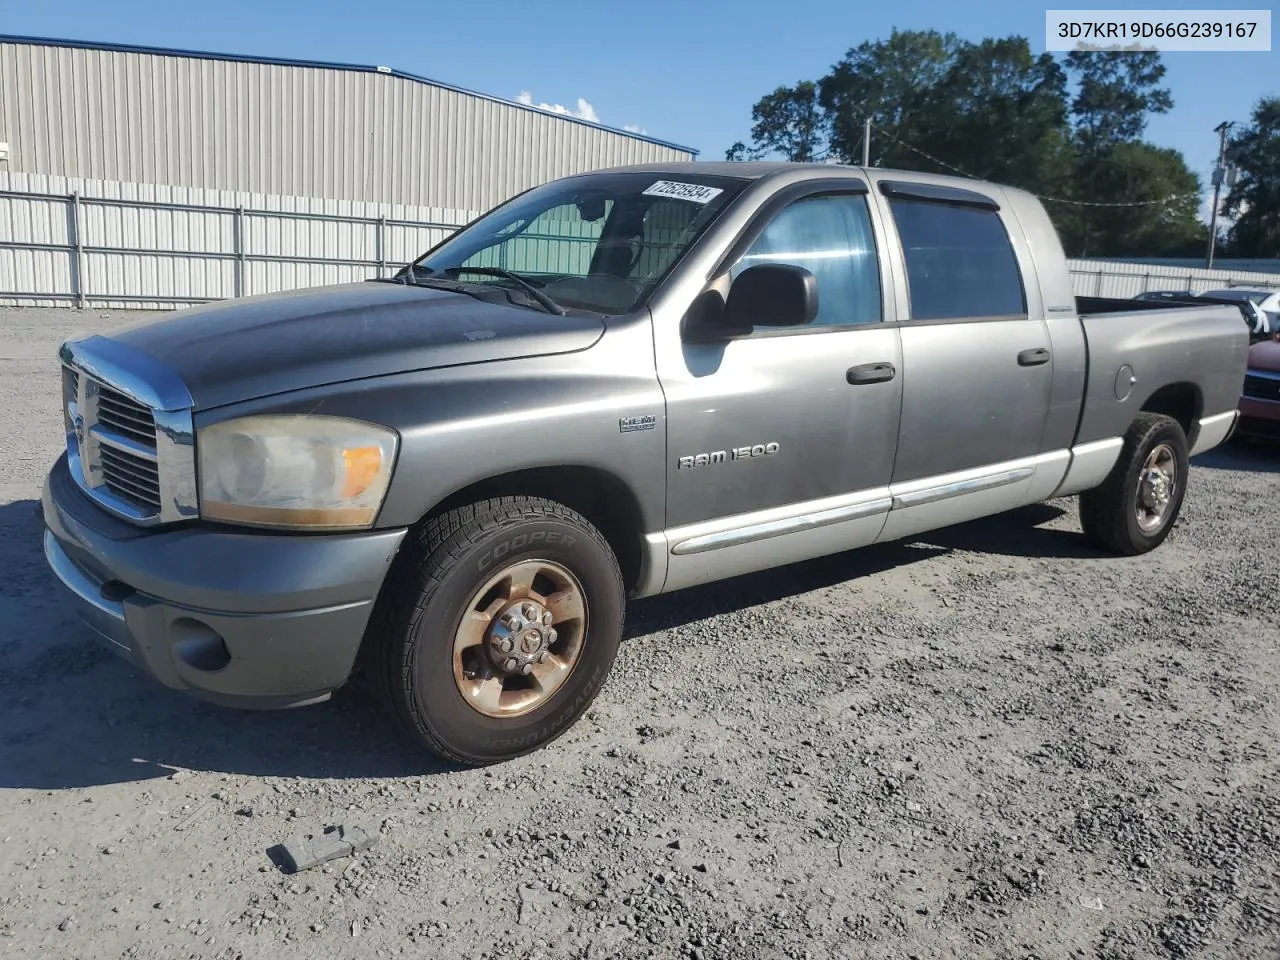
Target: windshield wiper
548,304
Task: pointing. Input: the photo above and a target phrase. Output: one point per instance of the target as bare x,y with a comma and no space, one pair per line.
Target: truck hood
1265,355
273,343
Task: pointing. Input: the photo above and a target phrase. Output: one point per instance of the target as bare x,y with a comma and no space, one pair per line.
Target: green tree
894,83
1254,202
789,122
1009,111
740,151
1165,196
995,110
1116,91
991,109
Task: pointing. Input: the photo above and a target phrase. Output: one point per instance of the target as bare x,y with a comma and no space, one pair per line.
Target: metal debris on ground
304,852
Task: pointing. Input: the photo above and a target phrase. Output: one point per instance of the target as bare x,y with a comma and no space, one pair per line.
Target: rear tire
1133,510
550,587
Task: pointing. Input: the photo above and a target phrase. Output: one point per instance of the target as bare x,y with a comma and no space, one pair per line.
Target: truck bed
1193,352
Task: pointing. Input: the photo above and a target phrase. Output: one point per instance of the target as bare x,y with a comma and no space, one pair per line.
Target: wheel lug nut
551,636
506,645
510,665
527,669
546,618
542,656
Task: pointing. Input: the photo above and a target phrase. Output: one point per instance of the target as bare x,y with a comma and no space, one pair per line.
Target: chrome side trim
1090,464
931,494
781,526
653,565
687,570
1214,431
728,546
932,503
677,537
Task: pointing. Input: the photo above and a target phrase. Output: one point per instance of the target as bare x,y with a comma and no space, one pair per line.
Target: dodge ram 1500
614,385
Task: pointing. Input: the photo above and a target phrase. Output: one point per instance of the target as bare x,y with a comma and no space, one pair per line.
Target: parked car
1165,295
1263,306
1260,402
452,481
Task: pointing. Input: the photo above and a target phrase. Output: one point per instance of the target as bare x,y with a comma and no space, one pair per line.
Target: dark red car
1260,404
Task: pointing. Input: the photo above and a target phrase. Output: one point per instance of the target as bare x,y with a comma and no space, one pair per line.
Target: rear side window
960,262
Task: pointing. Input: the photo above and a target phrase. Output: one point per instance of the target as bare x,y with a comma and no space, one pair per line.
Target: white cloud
585,110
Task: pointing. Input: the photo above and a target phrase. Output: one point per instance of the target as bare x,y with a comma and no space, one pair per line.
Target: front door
781,443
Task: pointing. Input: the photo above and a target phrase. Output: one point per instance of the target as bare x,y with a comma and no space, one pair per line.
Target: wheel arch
603,498
1183,402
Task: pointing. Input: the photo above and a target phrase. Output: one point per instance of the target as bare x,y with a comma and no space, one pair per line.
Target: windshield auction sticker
1137,30
683,191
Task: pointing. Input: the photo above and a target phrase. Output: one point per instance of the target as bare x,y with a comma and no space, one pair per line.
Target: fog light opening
198,645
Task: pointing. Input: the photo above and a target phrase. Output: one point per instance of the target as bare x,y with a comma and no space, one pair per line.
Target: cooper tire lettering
428,595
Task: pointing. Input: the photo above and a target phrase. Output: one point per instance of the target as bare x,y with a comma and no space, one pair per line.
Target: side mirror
772,295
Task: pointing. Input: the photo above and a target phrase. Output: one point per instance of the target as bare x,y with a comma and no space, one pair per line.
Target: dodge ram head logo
725,456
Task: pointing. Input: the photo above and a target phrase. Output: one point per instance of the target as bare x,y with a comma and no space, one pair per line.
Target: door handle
1033,357
871,373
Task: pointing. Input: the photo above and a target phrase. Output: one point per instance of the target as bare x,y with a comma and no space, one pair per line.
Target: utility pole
866,143
1219,174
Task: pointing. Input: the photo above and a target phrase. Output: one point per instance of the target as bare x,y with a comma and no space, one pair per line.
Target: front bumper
245,619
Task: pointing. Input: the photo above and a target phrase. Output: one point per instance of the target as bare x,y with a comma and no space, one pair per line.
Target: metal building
285,127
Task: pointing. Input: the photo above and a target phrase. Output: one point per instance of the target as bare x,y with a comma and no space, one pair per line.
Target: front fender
600,409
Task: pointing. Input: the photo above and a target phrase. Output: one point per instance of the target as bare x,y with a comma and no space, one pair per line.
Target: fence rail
247,224
82,247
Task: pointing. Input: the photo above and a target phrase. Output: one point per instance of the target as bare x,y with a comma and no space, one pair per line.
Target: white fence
111,244
1107,278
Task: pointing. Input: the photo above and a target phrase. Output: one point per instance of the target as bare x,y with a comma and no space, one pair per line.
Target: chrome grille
126,416
130,477
130,443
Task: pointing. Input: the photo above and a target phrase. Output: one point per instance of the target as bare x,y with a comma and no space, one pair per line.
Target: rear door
976,356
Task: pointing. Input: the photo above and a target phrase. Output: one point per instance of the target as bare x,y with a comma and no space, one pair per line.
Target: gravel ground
989,742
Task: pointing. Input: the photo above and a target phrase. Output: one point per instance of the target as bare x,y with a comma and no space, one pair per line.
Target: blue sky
682,71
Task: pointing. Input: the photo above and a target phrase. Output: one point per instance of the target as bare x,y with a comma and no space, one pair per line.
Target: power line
1077,203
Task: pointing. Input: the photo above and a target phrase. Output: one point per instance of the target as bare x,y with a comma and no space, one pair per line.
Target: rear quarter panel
1201,346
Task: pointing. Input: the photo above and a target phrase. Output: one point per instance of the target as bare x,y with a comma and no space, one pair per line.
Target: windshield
599,243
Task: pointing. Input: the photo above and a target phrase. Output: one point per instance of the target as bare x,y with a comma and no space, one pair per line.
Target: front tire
1133,510
497,628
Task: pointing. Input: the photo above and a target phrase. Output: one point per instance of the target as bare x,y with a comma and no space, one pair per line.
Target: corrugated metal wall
1107,278
225,124
142,245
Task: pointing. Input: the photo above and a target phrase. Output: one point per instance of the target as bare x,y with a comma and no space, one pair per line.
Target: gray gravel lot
988,742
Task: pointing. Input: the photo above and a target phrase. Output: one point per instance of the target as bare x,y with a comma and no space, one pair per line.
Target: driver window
557,243
830,236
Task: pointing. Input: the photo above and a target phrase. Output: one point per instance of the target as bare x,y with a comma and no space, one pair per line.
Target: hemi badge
632,424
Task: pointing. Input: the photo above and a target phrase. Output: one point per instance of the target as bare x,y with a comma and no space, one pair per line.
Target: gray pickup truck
615,385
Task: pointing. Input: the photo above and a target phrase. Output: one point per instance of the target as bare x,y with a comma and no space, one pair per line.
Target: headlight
295,471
